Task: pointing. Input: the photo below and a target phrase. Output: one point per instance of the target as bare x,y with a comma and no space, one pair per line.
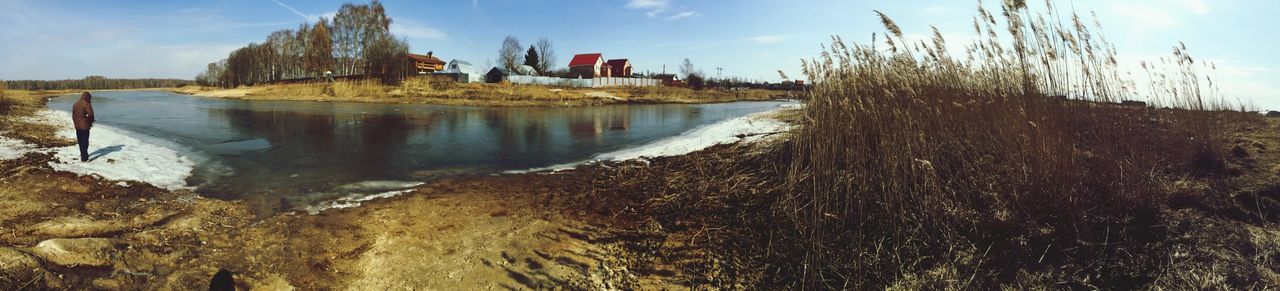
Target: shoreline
132,157
526,230
496,95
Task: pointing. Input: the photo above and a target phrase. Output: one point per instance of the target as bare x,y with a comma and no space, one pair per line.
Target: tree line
357,41
94,83
541,55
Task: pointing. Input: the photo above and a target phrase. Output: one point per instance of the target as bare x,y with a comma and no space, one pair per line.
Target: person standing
82,116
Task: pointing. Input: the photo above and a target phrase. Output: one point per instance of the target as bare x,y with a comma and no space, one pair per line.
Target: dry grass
914,168
5,103
16,105
421,90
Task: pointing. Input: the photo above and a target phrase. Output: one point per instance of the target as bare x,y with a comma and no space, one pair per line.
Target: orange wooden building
426,64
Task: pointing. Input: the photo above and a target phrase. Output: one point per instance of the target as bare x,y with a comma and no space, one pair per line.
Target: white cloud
681,15
410,28
308,17
766,39
1148,16
933,10
1226,69
654,7
648,4
1197,6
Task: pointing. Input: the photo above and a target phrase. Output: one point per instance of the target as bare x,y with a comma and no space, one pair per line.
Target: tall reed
915,161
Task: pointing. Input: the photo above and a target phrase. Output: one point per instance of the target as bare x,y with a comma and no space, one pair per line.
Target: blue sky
747,38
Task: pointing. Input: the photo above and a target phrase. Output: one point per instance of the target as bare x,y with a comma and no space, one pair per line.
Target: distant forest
94,83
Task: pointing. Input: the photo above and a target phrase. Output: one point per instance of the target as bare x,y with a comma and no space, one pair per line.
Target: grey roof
526,70
501,70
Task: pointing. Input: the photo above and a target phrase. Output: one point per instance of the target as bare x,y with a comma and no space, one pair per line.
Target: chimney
429,53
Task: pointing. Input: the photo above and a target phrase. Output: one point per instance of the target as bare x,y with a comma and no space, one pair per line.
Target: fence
582,83
635,82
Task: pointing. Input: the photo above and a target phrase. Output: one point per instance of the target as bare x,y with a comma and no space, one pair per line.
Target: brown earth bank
424,92
690,221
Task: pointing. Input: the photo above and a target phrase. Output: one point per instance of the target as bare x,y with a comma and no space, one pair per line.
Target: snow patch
12,148
350,201
377,186
359,192
794,105
748,128
117,154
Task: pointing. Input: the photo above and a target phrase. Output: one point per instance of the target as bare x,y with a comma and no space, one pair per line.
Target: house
619,68
588,66
669,80
497,75
425,64
460,67
465,72
526,70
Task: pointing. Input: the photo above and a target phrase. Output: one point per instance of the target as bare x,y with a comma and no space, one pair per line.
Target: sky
754,39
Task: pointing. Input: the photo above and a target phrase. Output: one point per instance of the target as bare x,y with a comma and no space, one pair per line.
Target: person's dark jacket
82,114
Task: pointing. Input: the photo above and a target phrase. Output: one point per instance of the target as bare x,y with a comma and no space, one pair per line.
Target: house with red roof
589,66
620,68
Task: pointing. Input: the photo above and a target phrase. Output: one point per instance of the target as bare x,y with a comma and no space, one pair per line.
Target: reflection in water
287,150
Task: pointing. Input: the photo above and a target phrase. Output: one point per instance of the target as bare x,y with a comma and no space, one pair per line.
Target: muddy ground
61,231
531,231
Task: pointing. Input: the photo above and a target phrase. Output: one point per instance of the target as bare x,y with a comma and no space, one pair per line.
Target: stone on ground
90,252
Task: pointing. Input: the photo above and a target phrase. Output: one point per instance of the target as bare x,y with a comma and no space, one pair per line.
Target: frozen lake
288,153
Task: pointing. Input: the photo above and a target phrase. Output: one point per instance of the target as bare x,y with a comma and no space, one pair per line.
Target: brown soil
507,231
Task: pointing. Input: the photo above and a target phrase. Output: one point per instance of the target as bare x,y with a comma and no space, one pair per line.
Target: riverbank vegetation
95,83
1011,165
16,108
421,90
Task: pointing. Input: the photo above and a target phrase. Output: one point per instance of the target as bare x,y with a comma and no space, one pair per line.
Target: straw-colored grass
17,105
422,90
1007,166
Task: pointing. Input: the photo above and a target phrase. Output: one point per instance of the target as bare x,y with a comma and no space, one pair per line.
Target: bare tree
546,54
686,68
354,28
509,55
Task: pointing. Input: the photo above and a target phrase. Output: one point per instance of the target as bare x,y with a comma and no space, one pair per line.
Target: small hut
496,75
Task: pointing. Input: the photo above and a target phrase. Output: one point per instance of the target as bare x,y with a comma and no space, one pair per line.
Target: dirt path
473,234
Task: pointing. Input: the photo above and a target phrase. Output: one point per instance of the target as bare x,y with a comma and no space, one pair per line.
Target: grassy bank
16,105
417,90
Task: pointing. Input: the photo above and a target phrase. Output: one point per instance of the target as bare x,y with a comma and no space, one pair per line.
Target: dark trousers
82,137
